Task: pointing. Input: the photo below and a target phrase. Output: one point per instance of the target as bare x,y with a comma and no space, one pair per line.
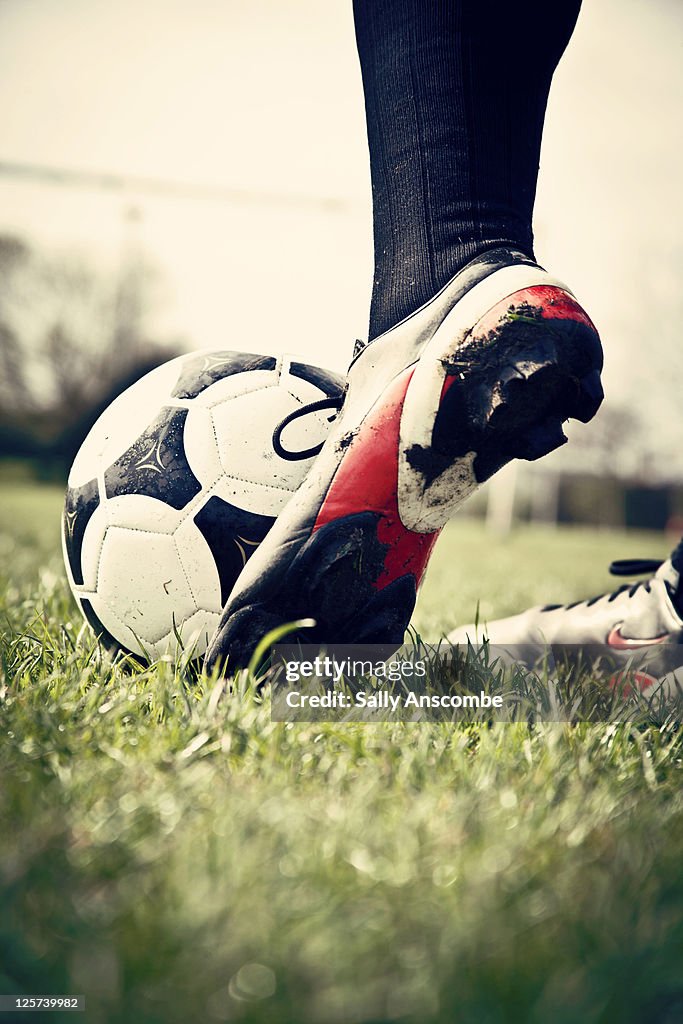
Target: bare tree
70,338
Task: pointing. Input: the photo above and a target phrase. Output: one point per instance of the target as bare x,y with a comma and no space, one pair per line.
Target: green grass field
168,851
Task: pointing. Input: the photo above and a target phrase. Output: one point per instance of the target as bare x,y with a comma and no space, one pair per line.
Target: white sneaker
636,625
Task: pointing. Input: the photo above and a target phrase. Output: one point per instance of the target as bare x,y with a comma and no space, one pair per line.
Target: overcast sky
265,96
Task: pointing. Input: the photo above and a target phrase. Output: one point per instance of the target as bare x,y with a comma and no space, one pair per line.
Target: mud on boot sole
507,395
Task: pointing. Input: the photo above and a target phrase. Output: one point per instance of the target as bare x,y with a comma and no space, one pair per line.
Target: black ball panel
204,370
79,506
331,384
233,535
156,464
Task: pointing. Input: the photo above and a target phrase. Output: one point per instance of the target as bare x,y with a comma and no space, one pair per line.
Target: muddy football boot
637,626
485,372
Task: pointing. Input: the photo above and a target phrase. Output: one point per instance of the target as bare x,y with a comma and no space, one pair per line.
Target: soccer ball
176,485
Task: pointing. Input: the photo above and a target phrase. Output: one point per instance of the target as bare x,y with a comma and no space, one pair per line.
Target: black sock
455,95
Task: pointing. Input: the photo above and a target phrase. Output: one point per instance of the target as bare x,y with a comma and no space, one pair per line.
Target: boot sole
503,396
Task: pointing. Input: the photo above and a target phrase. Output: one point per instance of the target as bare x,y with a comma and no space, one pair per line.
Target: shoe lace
335,402
621,567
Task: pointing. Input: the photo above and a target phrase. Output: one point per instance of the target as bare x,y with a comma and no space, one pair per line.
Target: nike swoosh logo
625,643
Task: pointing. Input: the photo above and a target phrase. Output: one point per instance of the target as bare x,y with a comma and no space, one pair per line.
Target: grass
171,853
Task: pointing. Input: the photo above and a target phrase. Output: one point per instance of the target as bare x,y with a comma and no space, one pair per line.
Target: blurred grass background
168,851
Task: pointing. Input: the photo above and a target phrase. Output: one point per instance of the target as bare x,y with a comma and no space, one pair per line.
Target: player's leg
492,354
455,97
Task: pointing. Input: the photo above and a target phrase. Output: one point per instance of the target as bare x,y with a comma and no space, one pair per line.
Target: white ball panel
200,568
140,512
93,539
235,385
123,421
201,449
119,629
253,497
244,430
142,579
195,633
